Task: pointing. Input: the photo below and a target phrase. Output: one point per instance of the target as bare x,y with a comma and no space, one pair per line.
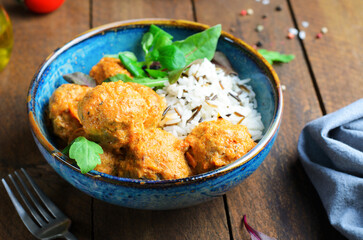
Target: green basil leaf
175,74
118,77
86,153
200,45
171,57
147,41
128,54
132,66
272,56
161,41
156,32
154,55
156,73
80,79
150,82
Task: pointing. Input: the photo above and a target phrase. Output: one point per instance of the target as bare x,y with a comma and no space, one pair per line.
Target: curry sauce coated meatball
63,109
107,67
110,112
155,104
214,144
155,154
109,163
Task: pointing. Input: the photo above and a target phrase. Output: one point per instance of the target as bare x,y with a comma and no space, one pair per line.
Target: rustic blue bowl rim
53,151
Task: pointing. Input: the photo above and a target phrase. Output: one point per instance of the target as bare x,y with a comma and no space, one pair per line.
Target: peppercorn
243,12
324,30
290,35
319,35
259,28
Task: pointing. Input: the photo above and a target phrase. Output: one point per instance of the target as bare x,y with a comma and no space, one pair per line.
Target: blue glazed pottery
80,54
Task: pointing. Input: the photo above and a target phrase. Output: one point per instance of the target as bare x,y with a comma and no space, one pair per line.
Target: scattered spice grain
302,35
324,30
305,24
290,35
259,28
243,12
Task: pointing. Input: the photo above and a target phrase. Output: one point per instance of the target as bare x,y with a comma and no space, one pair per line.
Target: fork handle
69,236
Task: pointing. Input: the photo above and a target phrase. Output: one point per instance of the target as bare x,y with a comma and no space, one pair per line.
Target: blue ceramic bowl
80,54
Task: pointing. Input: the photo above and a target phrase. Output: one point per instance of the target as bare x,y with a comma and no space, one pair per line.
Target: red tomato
43,6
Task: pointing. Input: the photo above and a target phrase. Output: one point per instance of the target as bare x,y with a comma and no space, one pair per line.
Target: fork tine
32,210
46,201
27,220
34,200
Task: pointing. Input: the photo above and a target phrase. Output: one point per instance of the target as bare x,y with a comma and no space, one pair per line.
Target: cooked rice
204,93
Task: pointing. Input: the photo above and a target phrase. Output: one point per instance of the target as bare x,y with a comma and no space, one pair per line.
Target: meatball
156,104
109,163
63,109
214,144
111,111
107,67
155,154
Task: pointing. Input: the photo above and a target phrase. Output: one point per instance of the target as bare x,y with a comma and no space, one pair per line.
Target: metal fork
48,221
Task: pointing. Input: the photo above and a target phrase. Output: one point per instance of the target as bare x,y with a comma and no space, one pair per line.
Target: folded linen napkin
331,151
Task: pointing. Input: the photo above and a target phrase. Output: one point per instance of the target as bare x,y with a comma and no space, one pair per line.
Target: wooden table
278,198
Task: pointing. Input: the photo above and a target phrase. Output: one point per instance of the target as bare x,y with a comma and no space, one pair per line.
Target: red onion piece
255,235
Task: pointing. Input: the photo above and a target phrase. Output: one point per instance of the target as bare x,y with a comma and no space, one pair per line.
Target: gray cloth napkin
331,151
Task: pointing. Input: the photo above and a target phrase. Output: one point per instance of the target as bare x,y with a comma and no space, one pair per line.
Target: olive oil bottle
6,38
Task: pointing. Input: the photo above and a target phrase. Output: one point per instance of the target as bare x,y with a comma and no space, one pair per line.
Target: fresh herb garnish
128,54
171,57
176,55
119,77
272,56
85,152
147,41
80,79
132,66
152,41
175,75
158,32
200,45
156,73
149,82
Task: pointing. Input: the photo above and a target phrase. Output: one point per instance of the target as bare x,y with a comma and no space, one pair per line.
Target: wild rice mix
205,93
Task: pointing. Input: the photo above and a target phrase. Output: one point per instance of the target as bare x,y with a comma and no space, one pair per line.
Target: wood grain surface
35,37
337,58
279,190
278,198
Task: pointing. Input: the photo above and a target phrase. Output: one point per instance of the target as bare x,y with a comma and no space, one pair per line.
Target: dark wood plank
137,9
278,198
207,221
36,36
75,204
336,58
